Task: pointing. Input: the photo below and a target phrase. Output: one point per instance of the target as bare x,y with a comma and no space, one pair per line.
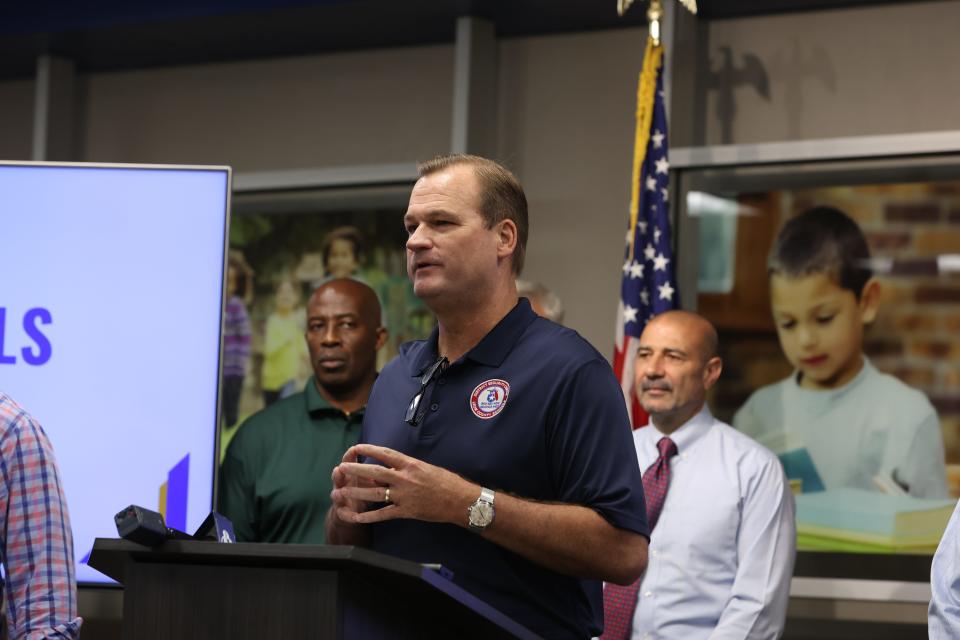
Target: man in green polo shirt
275,480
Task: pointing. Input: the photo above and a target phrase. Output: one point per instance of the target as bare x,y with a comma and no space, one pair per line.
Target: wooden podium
187,589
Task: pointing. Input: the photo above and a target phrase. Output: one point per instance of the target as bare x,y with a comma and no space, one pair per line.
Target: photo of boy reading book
836,421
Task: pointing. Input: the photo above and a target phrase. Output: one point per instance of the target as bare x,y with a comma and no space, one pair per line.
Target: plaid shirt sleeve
35,536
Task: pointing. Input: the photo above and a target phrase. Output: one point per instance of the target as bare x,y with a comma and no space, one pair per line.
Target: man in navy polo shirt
503,443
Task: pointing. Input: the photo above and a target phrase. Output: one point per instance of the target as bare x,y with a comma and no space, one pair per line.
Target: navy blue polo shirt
532,410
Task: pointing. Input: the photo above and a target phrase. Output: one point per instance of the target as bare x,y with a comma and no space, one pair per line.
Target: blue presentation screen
110,315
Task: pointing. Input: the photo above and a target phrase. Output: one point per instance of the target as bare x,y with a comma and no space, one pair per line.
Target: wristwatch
481,513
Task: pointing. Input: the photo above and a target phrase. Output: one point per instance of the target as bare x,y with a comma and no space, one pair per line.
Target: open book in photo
796,460
871,520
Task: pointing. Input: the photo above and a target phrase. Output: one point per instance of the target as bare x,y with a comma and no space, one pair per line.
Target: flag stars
663,166
626,267
649,252
665,193
666,291
657,138
656,235
651,184
643,226
645,297
629,314
636,270
660,262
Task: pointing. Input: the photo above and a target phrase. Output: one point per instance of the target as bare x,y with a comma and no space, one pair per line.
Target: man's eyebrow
668,350
336,316
430,214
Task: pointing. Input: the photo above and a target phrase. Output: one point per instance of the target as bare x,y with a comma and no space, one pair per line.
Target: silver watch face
481,514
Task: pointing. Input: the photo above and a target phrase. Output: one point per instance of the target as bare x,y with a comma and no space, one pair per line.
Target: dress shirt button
434,406
646,636
648,594
654,552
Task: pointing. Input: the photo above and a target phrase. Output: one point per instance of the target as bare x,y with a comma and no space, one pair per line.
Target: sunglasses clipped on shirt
417,408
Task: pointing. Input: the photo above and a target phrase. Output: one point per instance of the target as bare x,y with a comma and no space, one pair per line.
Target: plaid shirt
35,539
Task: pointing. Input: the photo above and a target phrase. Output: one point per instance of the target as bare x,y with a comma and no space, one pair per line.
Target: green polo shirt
275,479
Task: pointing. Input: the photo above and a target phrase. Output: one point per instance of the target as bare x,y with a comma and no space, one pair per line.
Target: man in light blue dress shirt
944,620
722,553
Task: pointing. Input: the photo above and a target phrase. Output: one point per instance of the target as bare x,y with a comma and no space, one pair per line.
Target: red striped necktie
619,602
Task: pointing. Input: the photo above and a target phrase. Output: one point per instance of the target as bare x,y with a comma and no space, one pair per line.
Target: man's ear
382,335
870,301
506,238
711,372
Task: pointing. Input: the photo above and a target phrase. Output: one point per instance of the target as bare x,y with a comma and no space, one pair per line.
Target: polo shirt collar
316,403
492,350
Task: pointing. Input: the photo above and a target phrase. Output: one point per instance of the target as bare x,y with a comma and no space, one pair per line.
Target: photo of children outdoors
276,261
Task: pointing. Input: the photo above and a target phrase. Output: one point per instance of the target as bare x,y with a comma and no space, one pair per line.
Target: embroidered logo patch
489,398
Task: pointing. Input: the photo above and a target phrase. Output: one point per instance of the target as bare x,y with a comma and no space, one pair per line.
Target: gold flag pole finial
624,5
654,16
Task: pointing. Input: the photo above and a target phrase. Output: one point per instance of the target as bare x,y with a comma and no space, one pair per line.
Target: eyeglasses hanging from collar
417,408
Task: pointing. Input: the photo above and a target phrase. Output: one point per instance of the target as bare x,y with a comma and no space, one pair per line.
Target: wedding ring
386,495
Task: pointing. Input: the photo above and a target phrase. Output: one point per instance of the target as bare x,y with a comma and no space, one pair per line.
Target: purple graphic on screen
177,483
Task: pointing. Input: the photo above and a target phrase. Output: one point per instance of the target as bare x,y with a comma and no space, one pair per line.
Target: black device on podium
188,589
146,527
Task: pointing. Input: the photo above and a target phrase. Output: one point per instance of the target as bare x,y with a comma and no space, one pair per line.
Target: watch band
486,495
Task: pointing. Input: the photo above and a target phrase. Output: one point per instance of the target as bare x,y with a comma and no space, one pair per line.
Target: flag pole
646,93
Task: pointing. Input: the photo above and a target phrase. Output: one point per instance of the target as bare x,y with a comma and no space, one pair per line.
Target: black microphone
145,527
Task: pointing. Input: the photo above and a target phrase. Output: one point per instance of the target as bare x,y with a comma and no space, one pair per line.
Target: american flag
649,285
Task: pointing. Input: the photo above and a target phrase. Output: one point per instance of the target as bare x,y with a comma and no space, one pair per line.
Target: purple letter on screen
177,483
3,323
43,344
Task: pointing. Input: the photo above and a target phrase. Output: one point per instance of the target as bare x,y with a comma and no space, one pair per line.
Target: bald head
365,300
702,336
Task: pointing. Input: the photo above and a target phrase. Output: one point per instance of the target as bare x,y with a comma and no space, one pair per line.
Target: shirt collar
316,403
689,432
492,350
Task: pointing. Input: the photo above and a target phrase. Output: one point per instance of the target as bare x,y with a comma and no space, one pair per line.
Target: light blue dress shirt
721,556
944,619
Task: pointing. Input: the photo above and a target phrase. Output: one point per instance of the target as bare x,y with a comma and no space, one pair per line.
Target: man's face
450,251
672,372
342,338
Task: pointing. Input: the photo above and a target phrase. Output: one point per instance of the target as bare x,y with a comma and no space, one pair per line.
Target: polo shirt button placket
434,406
